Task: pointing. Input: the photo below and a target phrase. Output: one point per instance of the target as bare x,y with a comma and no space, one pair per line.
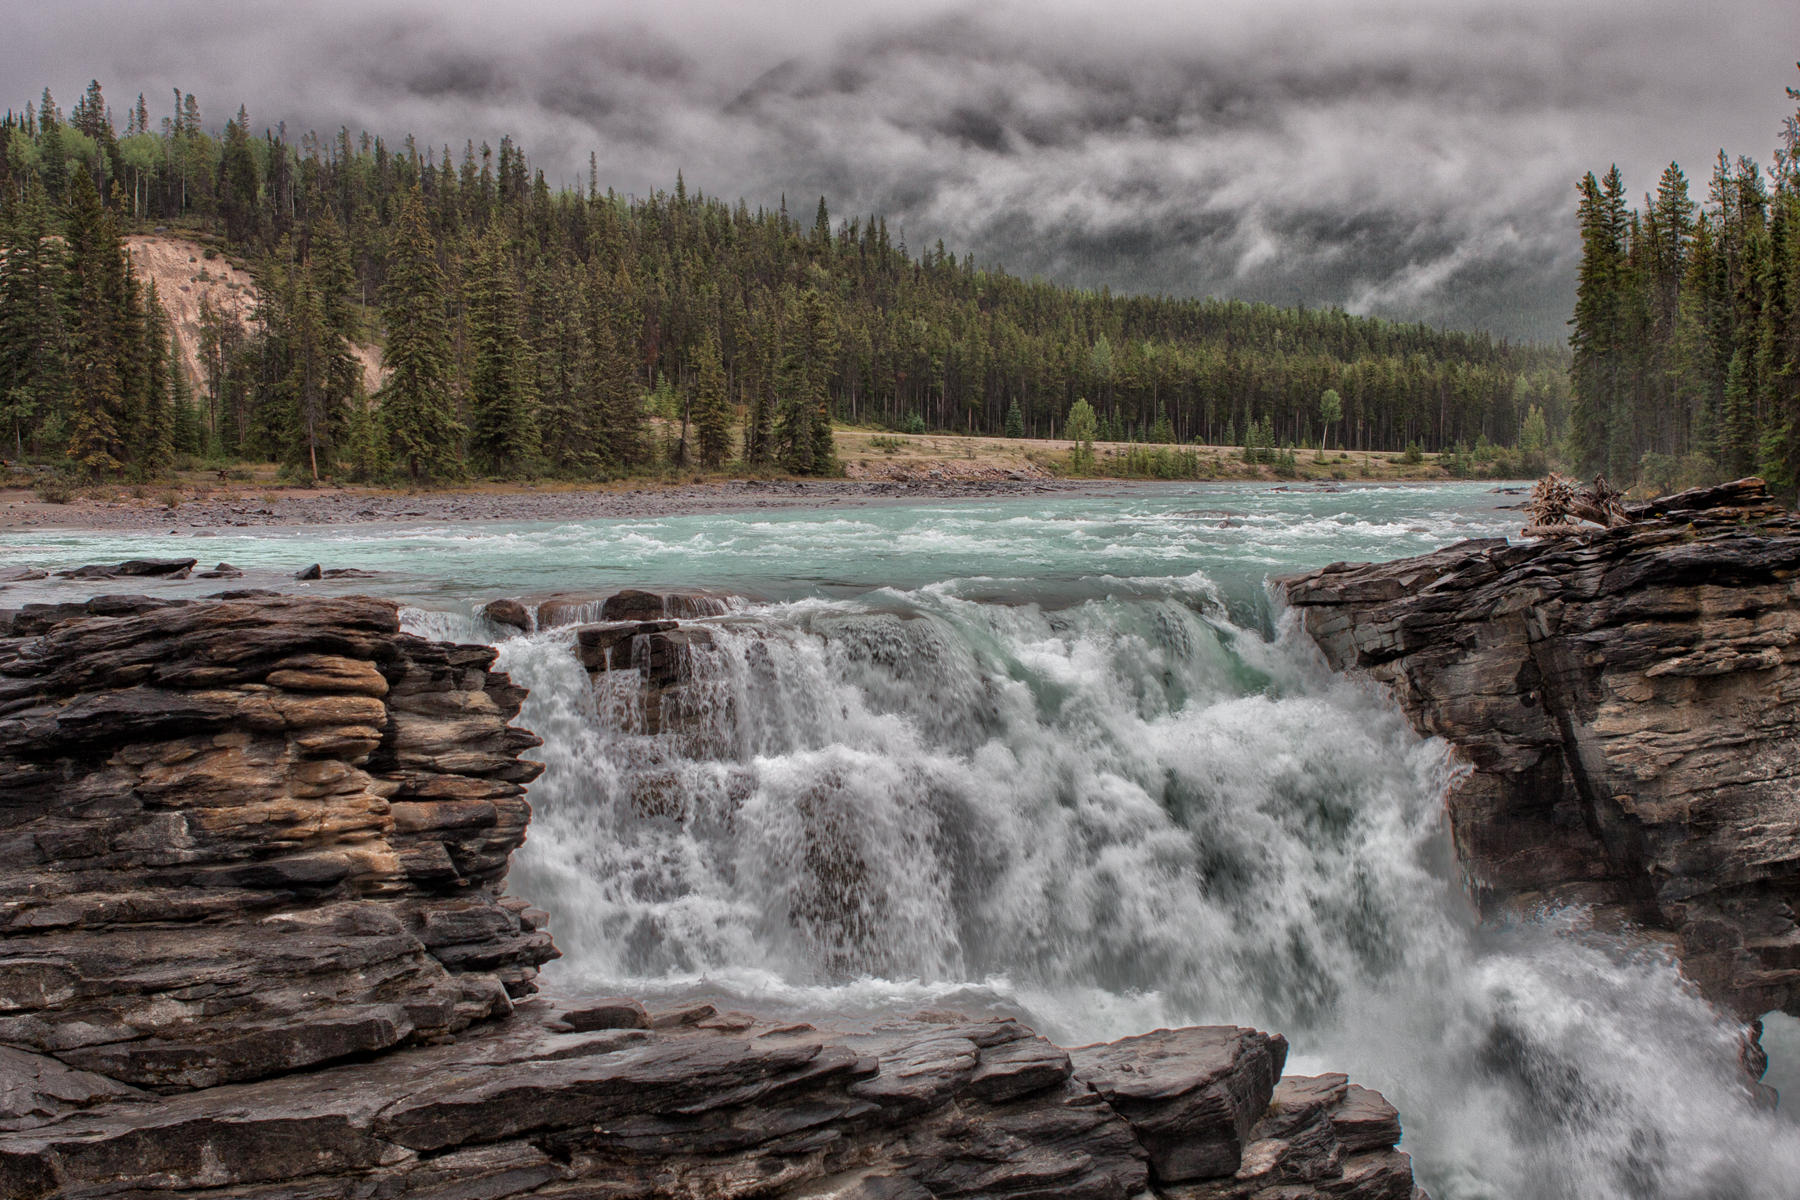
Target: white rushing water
1105,818
1056,758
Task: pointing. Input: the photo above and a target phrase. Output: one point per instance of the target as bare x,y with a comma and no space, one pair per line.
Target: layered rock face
249,836
1626,701
694,1103
254,945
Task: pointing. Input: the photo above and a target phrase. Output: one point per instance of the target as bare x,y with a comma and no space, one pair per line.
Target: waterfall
1105,814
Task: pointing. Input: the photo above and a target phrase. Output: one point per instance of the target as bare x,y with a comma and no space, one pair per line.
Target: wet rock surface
693,1102
1626,699
254,944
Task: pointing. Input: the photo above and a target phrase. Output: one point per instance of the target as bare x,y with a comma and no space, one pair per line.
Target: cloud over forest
1408,160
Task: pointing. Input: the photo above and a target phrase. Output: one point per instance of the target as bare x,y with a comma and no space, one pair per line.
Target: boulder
508,612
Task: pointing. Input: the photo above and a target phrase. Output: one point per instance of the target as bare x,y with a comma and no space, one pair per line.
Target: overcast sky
1416,160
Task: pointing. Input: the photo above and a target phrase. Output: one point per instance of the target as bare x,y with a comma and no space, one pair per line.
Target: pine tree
95,279
503,436
1738,432
803,438
712,413
1596,373
1015,421
416,399
33,374
618,404
153,435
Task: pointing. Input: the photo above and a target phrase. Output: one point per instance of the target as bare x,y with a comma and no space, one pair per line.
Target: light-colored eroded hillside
183,274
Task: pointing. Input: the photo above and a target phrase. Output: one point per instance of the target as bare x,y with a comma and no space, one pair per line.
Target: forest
1686,342
573,332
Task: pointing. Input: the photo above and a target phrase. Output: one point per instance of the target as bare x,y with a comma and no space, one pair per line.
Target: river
1061,757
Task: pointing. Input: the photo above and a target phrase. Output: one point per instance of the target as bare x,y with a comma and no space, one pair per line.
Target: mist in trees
525,328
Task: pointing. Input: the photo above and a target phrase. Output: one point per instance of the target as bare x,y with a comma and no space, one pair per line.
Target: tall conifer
416,398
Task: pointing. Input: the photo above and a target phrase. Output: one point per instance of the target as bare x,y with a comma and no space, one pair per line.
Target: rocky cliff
1625,700
255,944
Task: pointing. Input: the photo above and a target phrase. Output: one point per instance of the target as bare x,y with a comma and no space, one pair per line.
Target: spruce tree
95,276
712,413
1015,421
33,375
503,436
415,400
1595,375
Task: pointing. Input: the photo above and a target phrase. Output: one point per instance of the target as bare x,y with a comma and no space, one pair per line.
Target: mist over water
1062,758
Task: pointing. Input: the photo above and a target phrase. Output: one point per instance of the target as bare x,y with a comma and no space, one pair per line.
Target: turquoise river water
1059,756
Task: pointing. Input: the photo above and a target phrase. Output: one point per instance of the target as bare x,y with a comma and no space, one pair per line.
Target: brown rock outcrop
700,1103
245,837
252,852
1626,701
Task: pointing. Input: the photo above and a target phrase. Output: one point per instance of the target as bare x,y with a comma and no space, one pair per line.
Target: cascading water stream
1114,813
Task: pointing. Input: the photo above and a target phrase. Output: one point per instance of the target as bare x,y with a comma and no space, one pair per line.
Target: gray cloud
1409,160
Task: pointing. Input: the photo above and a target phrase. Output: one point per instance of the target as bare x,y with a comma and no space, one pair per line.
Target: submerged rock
1627,701
165,568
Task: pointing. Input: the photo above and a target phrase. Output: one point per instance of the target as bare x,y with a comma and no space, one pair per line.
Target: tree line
575,331
1686,342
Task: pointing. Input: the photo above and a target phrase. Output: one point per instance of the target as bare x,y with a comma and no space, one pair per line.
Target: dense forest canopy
1687,325
525,328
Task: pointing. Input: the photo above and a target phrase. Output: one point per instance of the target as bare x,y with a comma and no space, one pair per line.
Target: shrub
55,490
1412,456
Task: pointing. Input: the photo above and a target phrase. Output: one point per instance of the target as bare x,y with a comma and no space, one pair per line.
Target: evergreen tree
416,399
803,419
153,435
1596,376
503,436
712,413
1738,432
95,276
33,374
1015,421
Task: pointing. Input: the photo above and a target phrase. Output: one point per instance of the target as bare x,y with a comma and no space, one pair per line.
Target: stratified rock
223,571
310,573
250,859
1319,1136
617,1013
727,1106
22,574
244,837
1191,1095
1626,698
508,612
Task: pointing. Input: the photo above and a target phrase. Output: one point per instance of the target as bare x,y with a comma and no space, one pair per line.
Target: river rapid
1061,757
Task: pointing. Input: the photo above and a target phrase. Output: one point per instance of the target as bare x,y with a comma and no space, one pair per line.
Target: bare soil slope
183,274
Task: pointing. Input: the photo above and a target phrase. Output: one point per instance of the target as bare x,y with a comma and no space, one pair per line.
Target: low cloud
1414,164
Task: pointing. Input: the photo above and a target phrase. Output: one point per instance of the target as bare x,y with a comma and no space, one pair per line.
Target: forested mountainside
1687,325
527,328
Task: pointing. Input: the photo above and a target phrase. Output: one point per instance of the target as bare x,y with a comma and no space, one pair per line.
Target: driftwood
1558,504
